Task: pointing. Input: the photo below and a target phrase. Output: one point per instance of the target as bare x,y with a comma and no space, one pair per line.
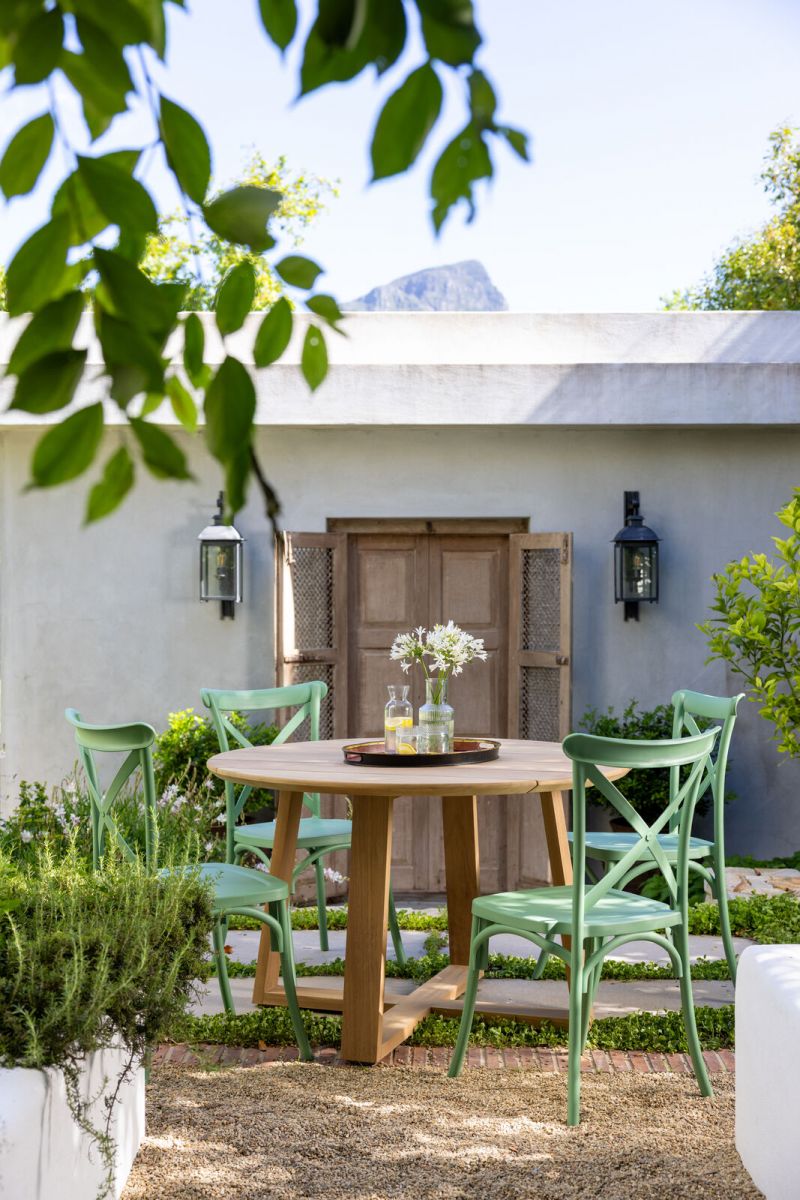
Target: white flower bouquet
446,648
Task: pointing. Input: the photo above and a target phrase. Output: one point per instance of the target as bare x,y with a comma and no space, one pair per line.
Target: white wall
107,618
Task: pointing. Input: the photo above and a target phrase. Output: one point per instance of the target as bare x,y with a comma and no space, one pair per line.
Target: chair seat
314,833
609,847
239,887
549,910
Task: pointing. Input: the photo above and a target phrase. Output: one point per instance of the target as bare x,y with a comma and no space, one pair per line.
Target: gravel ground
309,1132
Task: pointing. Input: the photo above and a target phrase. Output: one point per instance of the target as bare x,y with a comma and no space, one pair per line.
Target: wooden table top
522,767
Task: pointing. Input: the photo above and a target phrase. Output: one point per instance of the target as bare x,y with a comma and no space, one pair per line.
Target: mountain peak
457,287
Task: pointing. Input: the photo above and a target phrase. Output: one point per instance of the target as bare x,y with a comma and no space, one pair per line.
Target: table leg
462,870
281,865
367,913
555,829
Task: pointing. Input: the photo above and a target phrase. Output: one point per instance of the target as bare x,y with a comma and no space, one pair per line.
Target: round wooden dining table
370,1028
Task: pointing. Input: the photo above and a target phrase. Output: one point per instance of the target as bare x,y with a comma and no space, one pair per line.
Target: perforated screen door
311,619
540,620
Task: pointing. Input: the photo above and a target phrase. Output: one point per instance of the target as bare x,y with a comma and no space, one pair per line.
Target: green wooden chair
236,890
599,918
612,847
318,836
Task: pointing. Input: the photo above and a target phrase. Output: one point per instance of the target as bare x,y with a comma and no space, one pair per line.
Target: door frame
434,525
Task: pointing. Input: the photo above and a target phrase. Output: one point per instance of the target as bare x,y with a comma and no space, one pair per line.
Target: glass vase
436,719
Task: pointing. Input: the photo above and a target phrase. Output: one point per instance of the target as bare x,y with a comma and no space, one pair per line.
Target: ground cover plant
94,960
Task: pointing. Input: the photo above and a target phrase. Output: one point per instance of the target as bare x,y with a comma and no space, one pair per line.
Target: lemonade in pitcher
398,715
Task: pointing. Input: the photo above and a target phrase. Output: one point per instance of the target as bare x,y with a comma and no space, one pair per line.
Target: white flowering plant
444,651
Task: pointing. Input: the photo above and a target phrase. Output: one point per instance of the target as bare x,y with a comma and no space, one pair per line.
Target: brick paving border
719,1062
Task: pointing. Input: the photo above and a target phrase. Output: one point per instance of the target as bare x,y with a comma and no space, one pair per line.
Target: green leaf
52,328
111,490
279,18
182,403
131,357
119,197
106,59
448,27
326,307
241,215
100,102
187,149
193,347
464,161
237,471
119,21
68,448
517,140
39,48
273,334
384,33
154,307
235,297
74,200
49,383
482,100
381,35
298,271
162,455
405,122
314,362
39,267
229,410
25,156
152,12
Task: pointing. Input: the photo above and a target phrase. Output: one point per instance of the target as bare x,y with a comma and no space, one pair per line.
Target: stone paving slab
244,945
614,999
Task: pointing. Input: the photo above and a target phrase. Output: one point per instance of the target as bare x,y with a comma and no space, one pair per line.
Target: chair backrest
589,753
305,698
686,707
135,741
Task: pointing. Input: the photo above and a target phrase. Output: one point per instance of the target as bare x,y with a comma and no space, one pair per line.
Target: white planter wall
43,1153
768,1068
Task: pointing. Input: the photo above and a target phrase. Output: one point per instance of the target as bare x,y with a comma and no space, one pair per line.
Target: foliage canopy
757,628
103,219
762,271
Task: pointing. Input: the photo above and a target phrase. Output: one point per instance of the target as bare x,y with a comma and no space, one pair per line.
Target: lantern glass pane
639,572
220,575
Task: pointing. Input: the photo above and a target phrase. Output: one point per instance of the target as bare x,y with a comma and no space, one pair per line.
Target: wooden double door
343,597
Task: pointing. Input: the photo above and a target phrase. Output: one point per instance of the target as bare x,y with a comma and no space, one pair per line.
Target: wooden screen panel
539,674
311,643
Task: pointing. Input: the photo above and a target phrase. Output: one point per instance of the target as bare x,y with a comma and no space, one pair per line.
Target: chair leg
541,963
222,967
576,1004
721,892
394,930
592,982
470,996
681,939
322,910
287,971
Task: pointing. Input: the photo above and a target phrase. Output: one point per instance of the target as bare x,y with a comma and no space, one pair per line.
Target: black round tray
465,750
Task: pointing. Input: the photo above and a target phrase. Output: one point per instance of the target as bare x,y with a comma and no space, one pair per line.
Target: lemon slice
406,748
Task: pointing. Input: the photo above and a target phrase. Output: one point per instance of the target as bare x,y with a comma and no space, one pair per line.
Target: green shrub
646,791
189,741
91,960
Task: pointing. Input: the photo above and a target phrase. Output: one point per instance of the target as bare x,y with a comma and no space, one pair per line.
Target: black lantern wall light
635,561
221,562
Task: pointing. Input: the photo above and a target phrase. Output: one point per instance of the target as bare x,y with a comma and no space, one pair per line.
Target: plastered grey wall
107,618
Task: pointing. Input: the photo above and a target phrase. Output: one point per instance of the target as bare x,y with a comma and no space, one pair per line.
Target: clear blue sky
648,123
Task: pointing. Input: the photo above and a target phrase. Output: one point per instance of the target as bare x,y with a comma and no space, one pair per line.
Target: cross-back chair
318,836
600,917
235,889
